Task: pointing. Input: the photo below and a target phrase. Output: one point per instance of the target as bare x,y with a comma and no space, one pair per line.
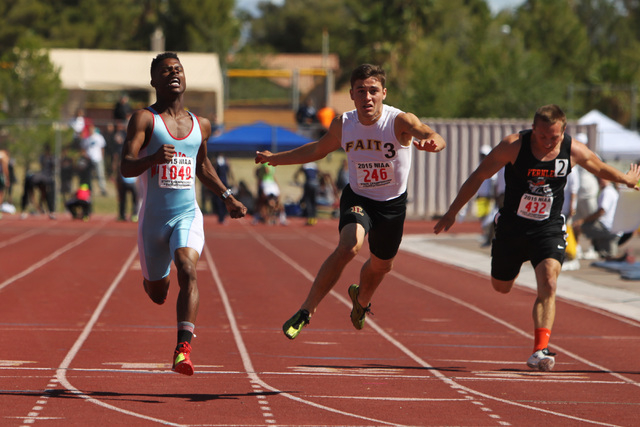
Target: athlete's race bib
178,174
535,207
374,174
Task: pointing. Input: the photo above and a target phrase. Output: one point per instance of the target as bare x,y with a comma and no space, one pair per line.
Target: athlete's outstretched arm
309,152
503,153
424,138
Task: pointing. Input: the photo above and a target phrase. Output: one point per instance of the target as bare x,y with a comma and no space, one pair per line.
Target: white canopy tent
615,142
86,70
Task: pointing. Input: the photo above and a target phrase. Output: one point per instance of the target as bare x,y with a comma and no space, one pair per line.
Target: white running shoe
542,360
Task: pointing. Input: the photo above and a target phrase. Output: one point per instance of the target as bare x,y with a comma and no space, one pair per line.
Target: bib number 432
535,207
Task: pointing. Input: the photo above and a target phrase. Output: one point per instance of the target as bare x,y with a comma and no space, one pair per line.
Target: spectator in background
587,202
84,169
342,178
80,205
597,225
309,201
122,109
66,174
118,136
569,210
571,196
216,127
110,150
328,194
325,116
94,146
127,186
13,180
269,208
43,181
245,197
5,178
307,118
485,198
79,124
224,173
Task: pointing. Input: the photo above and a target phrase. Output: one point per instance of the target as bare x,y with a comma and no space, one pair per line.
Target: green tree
87,24
473,65
33,95
614,58
297,26
203,26
552,28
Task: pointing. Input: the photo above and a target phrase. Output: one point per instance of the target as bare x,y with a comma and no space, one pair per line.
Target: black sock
185,335
185,332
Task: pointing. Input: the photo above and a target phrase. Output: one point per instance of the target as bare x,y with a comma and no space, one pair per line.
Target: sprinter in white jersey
377,139
167,146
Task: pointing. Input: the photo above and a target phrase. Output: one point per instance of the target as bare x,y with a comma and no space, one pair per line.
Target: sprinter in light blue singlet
166,146
169,217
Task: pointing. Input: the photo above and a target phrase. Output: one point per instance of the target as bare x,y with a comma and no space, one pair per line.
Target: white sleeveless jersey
378,164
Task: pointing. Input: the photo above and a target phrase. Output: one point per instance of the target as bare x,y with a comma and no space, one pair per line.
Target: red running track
82,345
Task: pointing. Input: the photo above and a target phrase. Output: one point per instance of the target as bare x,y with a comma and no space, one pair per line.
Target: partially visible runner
377,139
5,178
530,226
166,146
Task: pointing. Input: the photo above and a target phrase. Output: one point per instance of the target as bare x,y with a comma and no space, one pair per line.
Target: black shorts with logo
383,222
515,244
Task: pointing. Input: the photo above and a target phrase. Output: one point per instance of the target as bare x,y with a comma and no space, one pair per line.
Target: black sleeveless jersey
534,191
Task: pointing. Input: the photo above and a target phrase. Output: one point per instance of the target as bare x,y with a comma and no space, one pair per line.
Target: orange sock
542,336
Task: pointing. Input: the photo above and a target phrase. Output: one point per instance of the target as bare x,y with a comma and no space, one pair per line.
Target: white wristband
226,194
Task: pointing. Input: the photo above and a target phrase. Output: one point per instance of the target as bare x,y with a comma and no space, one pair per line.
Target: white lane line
20,237
34,414
61,372
509,326
50,258
451,382
611,301
244,354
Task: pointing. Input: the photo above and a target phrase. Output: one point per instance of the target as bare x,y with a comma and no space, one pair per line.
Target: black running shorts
511,249
383,222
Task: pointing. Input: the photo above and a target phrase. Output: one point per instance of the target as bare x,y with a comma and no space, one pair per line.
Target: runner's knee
502,286
157,291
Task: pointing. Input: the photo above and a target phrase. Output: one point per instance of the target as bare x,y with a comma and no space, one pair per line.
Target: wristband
226,193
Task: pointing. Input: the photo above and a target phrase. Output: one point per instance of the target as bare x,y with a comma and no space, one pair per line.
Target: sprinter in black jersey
530,226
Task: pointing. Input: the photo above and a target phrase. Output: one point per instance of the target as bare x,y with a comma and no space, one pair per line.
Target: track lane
520,319
350,377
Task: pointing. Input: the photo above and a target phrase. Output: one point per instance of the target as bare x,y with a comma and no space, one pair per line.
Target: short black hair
365,71
161,57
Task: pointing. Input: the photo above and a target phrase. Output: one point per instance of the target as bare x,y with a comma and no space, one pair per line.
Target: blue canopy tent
258,136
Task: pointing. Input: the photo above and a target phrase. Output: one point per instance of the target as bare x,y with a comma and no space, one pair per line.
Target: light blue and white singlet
170,217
